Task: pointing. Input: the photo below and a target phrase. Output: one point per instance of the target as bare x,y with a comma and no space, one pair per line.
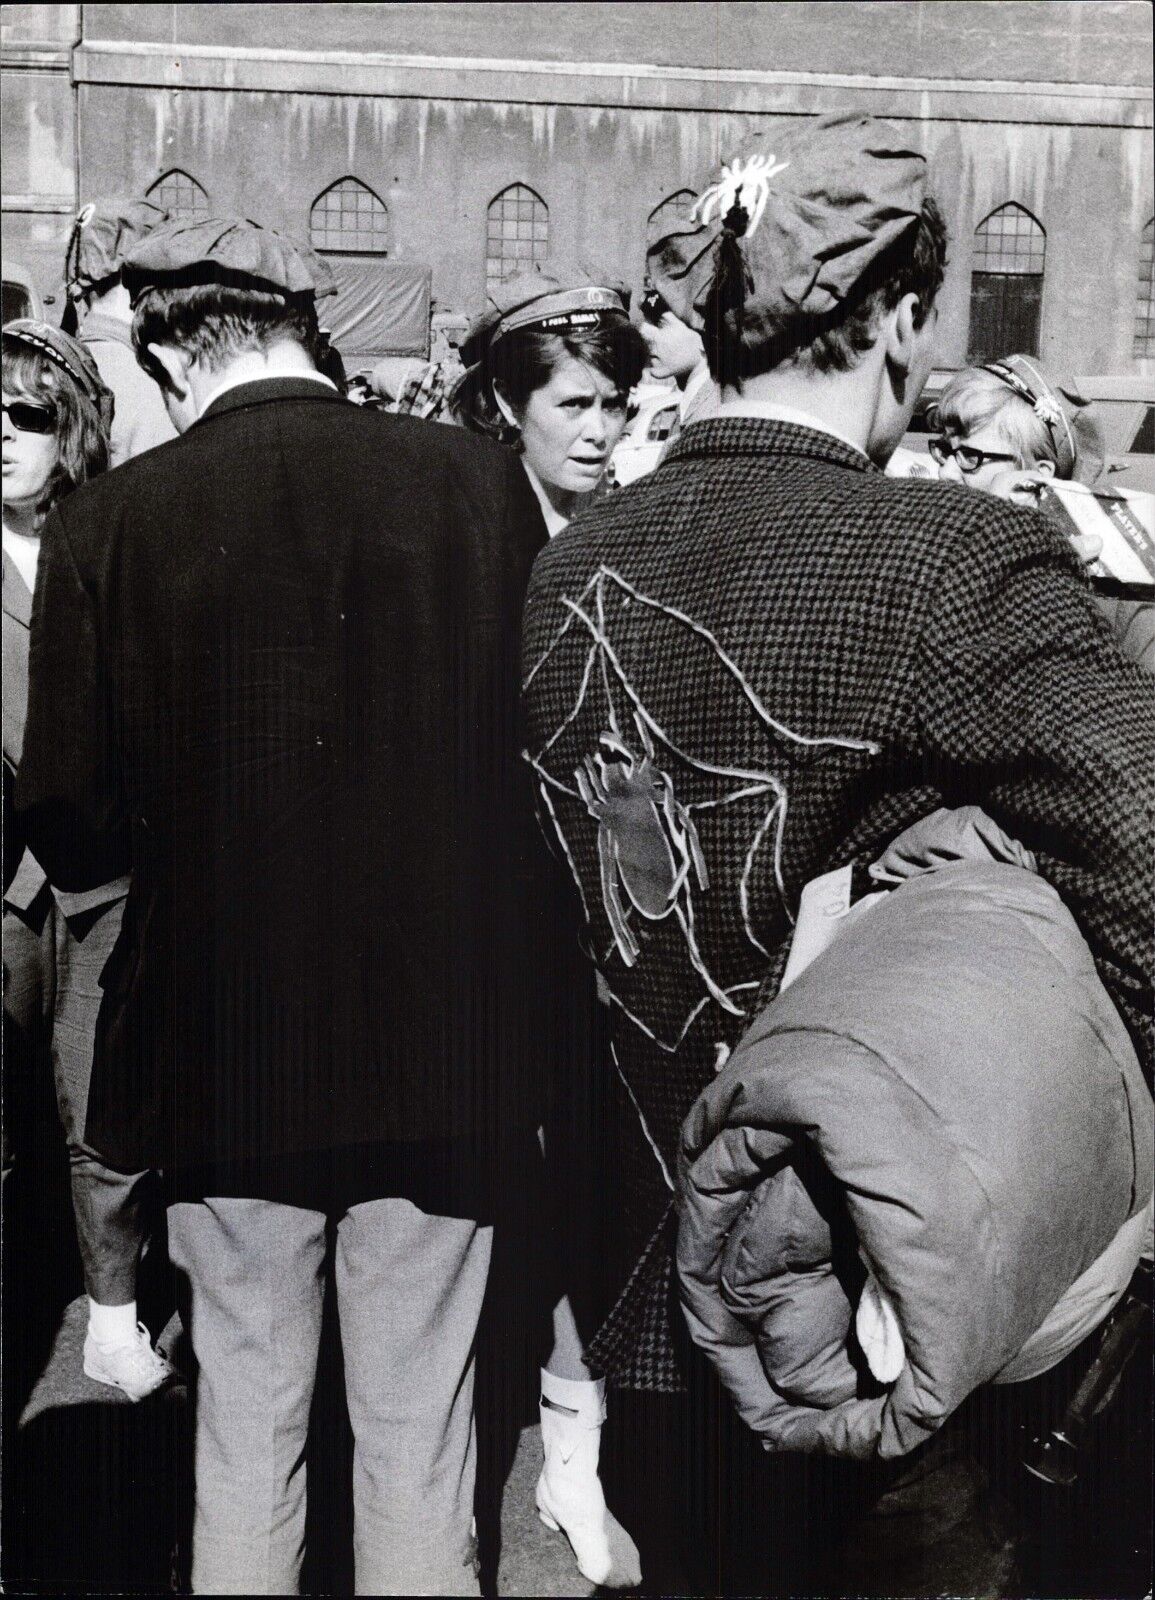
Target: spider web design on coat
647,780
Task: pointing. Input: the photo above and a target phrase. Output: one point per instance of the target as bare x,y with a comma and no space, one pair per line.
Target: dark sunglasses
27,417
968,457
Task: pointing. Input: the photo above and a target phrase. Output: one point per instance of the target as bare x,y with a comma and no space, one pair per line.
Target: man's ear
902,327
505,408
175,365
1045,469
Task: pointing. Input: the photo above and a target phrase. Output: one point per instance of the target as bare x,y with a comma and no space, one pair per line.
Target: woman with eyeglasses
57,414
1009,428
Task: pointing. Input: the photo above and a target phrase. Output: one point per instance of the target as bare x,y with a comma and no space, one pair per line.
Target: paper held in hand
1125,521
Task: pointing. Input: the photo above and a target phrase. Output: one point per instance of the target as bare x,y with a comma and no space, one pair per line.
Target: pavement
96,1502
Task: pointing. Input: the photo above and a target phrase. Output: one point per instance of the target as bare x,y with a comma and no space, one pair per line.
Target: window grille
180,195
516,233
349,217
1010,251
1144,345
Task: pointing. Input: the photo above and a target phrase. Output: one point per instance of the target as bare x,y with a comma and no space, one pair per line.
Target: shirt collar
271,371
780,413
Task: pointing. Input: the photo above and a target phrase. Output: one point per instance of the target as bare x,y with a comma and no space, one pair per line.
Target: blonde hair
974,398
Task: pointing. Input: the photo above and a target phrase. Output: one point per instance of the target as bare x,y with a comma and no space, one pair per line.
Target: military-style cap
66,353
813,202
552,298
103,234
1070,420
226,250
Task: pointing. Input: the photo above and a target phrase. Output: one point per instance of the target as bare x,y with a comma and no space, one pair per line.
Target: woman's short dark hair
81,436
525,360
214,322
915,264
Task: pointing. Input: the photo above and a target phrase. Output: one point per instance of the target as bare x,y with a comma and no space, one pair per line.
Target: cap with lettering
68,355
553,298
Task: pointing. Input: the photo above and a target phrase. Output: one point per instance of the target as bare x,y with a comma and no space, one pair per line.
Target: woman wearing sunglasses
56,426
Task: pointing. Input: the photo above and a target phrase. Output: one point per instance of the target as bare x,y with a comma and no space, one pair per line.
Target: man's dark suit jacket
274,671
765,661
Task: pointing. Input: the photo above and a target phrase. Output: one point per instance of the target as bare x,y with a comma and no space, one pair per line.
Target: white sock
112,1325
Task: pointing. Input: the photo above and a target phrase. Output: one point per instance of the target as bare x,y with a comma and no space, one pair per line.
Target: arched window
1145,308
1007,284
350,217
516,233
180,195
670,213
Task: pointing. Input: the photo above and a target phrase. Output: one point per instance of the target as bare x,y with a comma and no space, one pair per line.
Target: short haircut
81,435
836,341
975,398
215,322
524,361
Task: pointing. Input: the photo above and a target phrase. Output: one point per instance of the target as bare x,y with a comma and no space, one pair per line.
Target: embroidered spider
647,842
738,175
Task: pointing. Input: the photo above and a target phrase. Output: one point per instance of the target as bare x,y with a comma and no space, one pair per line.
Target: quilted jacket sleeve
1026,700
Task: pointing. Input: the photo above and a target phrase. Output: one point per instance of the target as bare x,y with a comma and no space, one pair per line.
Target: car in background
20,298
651,418
1125,407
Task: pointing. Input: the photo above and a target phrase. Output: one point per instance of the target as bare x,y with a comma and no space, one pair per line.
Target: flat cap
227,250
555,297
813,202
103,234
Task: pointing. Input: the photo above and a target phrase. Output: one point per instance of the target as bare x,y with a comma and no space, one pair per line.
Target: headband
571,308
1042,401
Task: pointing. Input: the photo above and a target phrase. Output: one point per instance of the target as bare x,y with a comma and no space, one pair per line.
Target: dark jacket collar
764,436
263,390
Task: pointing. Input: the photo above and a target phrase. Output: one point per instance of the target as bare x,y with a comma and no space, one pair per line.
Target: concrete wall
604,110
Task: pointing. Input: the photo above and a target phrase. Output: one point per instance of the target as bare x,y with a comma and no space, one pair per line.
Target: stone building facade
470,137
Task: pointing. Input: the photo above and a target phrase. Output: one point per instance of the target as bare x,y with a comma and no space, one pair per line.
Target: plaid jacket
763,662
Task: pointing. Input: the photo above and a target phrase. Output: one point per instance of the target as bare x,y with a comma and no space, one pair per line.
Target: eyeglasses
969,458
27,417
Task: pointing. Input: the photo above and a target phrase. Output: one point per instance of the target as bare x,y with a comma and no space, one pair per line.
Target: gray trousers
409,1293
52,994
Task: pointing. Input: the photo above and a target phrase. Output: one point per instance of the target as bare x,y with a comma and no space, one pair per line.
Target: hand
1022,487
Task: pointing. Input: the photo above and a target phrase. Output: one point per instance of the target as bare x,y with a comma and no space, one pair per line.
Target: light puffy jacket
947,1098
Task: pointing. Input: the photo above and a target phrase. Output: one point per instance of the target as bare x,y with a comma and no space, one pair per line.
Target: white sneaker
134,1367
569,1492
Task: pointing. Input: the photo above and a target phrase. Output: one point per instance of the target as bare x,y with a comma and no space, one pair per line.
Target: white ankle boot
569,1493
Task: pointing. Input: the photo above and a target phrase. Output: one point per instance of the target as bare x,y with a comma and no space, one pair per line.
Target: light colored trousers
409,1294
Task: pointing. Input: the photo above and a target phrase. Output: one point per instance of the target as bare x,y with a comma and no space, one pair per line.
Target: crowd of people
844,775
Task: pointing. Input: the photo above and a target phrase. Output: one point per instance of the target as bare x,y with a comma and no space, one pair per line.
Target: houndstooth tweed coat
760,663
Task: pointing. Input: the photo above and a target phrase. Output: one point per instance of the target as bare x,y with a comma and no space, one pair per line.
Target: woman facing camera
56,424
549,369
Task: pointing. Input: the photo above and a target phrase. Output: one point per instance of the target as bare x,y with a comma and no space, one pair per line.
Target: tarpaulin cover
381,308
